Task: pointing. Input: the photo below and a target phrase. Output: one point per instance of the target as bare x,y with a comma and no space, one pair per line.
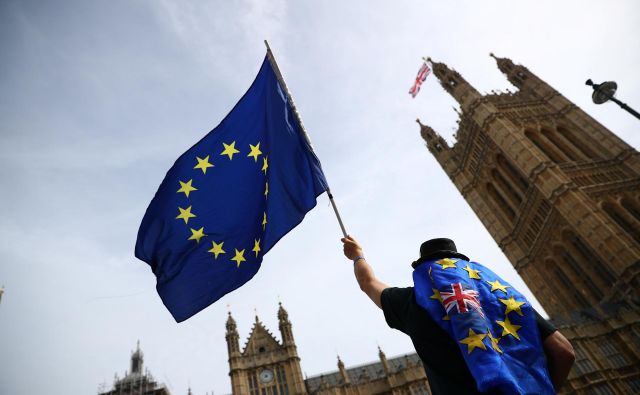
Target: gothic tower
560,194
265,365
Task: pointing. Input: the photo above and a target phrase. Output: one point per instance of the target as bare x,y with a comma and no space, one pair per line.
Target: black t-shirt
443,362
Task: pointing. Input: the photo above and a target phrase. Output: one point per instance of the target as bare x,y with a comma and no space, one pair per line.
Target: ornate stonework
560,194
267,366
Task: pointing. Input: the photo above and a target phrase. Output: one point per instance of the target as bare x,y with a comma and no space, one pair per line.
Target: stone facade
560,194
267,366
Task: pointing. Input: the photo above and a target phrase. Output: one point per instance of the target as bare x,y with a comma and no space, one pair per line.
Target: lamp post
605,91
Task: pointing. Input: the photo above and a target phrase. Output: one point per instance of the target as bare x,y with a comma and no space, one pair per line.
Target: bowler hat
438,249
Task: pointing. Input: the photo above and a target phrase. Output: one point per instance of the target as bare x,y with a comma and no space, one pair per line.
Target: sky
98,99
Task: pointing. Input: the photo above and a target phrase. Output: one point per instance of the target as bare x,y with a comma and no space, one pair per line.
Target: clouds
98,99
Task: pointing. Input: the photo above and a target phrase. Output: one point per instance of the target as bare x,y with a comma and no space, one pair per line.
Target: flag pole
276,69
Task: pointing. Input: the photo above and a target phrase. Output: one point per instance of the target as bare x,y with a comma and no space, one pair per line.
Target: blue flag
493,324
229,199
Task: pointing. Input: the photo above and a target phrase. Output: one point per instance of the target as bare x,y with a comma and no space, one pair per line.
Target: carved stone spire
343,371
137,359
285,326
454,83
233,339
383,359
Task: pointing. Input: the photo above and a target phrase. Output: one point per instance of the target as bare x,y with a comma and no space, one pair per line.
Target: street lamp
605,91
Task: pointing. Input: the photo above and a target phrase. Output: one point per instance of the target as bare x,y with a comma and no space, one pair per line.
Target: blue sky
98,99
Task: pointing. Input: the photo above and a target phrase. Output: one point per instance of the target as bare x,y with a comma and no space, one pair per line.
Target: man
445,364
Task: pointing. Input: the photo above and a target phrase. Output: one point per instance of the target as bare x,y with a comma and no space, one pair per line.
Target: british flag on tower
493,324
422,75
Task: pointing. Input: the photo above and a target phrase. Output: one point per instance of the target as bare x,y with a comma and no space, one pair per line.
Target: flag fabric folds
493,324
228,199
422,75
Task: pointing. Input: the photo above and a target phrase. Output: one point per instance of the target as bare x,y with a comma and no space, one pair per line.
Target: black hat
438,249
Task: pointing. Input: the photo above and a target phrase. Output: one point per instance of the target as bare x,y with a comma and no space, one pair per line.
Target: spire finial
492,55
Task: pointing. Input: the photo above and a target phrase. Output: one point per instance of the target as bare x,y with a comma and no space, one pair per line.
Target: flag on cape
422,75
228,199
493,324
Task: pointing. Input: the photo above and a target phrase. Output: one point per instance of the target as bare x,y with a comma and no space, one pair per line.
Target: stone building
266,366
560,194
136,381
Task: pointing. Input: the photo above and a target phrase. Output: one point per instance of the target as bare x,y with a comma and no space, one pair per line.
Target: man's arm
367,279
560,357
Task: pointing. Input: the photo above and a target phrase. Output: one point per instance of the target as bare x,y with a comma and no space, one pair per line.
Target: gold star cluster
476,340
186,213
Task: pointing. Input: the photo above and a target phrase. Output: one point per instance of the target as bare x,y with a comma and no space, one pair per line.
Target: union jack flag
461,297
422,75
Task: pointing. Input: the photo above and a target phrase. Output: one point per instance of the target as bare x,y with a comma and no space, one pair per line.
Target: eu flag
228,199
493,324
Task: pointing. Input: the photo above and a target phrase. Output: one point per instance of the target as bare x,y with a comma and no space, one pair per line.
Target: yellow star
217,249
197,234
203,164
446,318
266,189
512,305
436,295
472,272
265,164
185,214
256,247
255,151
508,328
494,342
474,340
264,221
230,150
447,263
239,257
186,187
495,285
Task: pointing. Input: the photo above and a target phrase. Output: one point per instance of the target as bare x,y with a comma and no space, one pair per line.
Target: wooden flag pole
274,64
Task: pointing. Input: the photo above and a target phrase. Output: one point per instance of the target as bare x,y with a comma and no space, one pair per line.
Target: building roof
362,373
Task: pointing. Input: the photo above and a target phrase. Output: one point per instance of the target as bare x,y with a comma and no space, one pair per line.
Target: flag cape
493,324
228,199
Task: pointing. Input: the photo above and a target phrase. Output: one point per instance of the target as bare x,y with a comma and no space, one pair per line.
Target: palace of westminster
558,192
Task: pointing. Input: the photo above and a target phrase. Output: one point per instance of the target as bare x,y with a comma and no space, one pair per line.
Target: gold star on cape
508,328
512,305
264,221
239,257
256,247
197,234
186,187
474,340
217,249
230,150
185,214
495,285
494,342
265,164
447,263
266,189
255,152
472,272
203,164
436,295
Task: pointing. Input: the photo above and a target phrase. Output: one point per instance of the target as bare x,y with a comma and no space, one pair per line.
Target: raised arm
365,276
560,357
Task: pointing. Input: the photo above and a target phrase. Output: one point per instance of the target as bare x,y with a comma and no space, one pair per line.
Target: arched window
500,202
568,287
544,146
623,219
559,142
514,197
596,272
631,207
518,181
584,143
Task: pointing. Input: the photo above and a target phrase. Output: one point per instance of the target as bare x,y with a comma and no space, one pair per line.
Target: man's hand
351,248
